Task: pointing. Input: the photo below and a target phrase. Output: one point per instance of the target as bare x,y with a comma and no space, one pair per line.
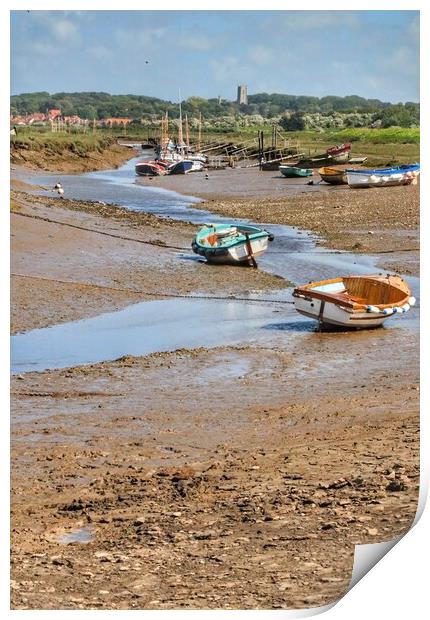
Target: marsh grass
381,146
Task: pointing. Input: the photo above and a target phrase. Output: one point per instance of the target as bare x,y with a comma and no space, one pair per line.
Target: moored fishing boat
231,243
357,160
186,165
293,171
151,168
338,150
386,177
354,301
334,176
340,158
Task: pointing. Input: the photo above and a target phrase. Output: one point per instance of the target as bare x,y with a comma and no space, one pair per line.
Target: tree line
291,110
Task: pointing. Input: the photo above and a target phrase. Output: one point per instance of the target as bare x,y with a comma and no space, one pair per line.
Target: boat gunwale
307,290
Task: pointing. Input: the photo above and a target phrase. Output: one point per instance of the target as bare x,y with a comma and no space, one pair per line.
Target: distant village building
242,95
53,114
111,122
58,121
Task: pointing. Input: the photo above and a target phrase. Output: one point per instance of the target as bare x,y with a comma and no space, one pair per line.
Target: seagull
59,189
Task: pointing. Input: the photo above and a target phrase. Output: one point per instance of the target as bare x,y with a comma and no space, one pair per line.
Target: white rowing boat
354,301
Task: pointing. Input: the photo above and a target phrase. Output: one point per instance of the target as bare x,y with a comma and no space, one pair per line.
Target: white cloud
41,48
100,52
299,21
59,24
196,42
63,30
229,69
140,38
260,54
413,30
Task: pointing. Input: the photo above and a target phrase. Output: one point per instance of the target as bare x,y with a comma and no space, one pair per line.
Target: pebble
372,531
395,486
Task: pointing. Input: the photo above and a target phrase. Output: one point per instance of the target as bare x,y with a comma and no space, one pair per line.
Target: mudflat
232,477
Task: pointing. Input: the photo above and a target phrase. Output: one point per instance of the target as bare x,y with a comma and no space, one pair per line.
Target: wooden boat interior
219,237
327,170
352,291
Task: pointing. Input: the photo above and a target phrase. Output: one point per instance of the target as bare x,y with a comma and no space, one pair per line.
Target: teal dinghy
231,243
293,171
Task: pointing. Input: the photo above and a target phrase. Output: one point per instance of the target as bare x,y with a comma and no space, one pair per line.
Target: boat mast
187,131
180,135
200,131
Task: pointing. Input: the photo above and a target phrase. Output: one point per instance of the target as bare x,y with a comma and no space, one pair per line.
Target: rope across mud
181,248
153,293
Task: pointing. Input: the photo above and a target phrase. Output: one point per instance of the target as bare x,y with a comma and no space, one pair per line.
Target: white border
397,586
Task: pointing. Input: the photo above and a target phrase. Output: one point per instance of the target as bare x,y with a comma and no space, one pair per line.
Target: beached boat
334,176
186,165
354,301
386,177
231,243
340,158
357,160
270,165
338,150
293,171
150,168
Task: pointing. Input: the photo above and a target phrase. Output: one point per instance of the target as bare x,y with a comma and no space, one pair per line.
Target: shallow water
171,324
81,535
140,329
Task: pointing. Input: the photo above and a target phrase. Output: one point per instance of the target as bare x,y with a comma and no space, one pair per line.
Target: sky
374,54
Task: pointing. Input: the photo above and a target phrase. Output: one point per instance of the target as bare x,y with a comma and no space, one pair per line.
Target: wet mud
235,473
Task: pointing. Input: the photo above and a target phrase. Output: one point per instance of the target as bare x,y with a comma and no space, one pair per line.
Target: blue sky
374,54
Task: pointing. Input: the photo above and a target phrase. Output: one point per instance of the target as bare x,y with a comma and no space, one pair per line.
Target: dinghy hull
358,302
231,244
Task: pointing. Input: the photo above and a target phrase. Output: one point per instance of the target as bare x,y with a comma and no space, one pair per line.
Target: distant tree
295,122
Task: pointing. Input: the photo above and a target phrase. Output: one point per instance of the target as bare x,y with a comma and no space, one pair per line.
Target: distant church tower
242,95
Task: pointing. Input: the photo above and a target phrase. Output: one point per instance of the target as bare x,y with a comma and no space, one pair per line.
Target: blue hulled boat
231,243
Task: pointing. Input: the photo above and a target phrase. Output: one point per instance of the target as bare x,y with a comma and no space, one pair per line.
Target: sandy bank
186,501
69,162
372,221
72,260
229,478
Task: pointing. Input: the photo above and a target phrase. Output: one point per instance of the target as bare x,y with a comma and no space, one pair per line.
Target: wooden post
261,155
200,131
259,149
187,131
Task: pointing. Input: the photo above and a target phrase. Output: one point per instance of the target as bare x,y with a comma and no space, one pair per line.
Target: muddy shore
71,260
230,478
369,221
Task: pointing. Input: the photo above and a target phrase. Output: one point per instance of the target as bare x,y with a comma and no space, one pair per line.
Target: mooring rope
100,232
187,249
153,293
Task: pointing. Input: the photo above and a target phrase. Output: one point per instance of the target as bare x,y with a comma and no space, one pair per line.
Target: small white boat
231,244
354,301
186,165
388,177
357,160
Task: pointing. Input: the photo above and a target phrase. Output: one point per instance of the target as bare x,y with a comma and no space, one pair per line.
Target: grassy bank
60,142
381,146
71,152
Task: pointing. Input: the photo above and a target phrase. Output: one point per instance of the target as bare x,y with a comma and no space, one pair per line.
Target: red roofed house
53,114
